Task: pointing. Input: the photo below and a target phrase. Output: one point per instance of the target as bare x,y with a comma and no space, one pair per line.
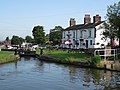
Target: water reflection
98,78
91,78
39,66
49,76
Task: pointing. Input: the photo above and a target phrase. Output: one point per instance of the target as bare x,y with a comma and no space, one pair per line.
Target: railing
107,53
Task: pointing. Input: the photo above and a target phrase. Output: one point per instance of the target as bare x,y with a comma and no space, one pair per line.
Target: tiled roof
83,26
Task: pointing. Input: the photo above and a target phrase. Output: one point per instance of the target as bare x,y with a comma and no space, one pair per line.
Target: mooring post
104,66
15,52
111,65
41,51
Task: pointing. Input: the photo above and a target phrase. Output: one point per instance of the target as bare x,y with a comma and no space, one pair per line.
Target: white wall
85,36
99,37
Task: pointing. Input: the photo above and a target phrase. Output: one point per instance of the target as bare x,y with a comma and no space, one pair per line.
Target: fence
107,53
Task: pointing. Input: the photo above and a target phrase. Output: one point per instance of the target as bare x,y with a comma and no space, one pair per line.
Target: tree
110,32
113,16
21,40
7,39
7,42
39,34
28,39
17,40
56,35
47,38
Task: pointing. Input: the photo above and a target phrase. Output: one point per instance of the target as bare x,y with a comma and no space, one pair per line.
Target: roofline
83,26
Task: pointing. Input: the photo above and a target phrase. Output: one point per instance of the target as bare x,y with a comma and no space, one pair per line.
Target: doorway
86,43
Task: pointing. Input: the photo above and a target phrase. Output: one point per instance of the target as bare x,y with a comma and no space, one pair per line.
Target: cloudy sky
18,17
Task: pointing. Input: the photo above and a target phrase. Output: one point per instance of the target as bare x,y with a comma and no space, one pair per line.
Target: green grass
6,56
65,56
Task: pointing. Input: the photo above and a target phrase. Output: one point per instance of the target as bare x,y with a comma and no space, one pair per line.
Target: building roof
84,26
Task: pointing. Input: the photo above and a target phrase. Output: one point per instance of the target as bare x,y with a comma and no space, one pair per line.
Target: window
97,43
95,33
63,34
80,34
82,43
76,33
90,42
73,34
68,34
89,33
81,39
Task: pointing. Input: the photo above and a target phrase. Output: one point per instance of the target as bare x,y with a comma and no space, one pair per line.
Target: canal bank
8,56
108,65
77,59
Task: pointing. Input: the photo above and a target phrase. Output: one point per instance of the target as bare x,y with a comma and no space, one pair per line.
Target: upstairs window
63,34
73,34
89,33
81,34
94,32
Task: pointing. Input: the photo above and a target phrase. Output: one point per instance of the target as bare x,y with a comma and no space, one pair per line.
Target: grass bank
65,56
7,56
79,59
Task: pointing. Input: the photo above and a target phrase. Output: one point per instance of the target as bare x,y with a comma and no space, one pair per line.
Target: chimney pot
87,19
72,22
96,18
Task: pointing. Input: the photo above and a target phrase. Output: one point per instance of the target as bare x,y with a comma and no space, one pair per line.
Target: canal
32,74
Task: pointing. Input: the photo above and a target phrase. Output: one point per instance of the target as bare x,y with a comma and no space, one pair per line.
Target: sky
19,17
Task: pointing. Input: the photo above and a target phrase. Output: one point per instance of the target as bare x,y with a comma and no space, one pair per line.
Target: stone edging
76,63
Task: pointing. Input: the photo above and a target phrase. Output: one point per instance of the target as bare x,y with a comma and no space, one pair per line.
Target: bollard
111,66
104,66
15,52
41,51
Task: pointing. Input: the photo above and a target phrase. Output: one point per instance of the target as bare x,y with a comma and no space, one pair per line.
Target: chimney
96,18
72,22
87,19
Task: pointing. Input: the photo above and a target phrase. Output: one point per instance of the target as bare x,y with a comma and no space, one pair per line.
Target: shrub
94,61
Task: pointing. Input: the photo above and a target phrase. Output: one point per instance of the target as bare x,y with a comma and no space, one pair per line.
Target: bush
94,61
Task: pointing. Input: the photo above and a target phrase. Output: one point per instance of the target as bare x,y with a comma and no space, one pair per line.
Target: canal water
32,74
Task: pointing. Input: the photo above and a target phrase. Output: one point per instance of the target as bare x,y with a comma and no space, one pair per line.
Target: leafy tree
21,40
113,16
7,39
46,37
110,32
7,42
28,39
39,34
56,35
17,40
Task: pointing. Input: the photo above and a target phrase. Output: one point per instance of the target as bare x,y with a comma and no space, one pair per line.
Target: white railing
107,53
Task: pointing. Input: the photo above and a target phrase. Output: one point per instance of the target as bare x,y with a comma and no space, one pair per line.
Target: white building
87,35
